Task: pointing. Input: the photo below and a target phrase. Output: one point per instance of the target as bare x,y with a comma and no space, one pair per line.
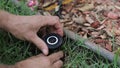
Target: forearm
6,66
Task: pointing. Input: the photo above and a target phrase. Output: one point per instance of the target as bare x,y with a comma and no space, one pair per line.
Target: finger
48,20
58,28
55,22
58,64
40,44
37,56
55,56
40,55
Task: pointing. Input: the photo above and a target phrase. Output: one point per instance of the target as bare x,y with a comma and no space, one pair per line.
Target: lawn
13,50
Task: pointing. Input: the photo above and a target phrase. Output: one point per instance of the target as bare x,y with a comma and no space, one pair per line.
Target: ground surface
13,50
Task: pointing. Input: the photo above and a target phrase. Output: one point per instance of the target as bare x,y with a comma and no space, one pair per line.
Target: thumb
40,44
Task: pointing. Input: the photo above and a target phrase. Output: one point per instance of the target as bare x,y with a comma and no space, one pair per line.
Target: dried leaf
64,20
85,36
46,14
80,1
97,41
79,20
51,7
117,7
67,1
116,31
86,7
118,41
112,15
108,47
109,33
68,7
101,27
89,19
95,34
68,24
96,24
103,36
87,24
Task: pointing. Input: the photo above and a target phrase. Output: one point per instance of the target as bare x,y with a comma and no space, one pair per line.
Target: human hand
26,28
42,61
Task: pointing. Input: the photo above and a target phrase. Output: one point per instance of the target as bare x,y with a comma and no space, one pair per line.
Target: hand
26,28
42,61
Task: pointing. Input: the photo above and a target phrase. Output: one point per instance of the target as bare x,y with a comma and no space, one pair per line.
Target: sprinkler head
53,40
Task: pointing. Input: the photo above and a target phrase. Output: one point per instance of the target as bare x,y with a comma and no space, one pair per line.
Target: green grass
13,50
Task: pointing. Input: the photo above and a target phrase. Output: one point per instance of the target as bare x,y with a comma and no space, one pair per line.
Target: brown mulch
97,20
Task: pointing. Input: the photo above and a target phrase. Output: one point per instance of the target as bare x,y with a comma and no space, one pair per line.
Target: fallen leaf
109,33
116,31
117,40
51,7
117,7
112,15
95,34
64,21
68,23
89,19
97,41
85,36
86,7
46,14
80,1
68,7
101,27
95,24
108,47
103,36
87,24
67,1
80,20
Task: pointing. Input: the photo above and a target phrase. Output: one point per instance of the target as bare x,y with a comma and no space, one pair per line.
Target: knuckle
61,62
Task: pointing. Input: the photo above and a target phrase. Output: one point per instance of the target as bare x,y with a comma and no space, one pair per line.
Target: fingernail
45,51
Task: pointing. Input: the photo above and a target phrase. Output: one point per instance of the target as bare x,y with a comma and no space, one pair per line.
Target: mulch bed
97,20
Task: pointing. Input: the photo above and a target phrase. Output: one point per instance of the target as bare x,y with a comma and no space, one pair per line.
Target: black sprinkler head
53,40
